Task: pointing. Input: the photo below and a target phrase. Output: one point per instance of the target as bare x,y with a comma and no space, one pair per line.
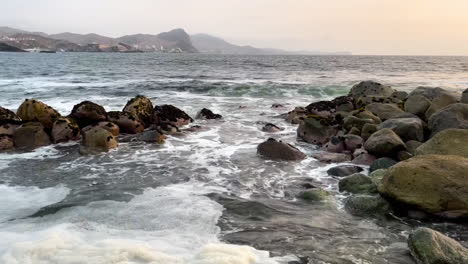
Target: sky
368,27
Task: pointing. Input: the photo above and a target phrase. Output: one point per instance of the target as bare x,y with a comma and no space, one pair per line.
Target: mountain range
176,40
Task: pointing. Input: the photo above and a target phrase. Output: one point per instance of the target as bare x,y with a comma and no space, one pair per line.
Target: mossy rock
315,195
87,113
30,136
448,142
357,183
98,139
32,110
171,114
142,108
8,117
366,205
65,129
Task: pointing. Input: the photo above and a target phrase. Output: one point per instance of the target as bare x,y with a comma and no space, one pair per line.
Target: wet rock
353,142
277,106
32,110
384,143
142,108
196,128
128,123
317,130
448,142
384,111
432,183
370,88
401,95
356,122
417,105
452,116
464,97
364,159
382,163
30,136
271,128
8,129
357,183
87,113
65,129
315,195
166,128
208,114
297,115
344,170
8,117
368,130
439,103
377,176
428,246
278,150
329,108
171,114
97,139
328,157
431,93
6,142
335,145
152,136
109,126
366,205
405,128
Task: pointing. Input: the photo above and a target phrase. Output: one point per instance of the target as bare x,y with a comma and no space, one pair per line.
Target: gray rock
353,142
417,104
439,103
271,128
431,93
377,176
357,183
405,128
352,121
451,141
452,116
328,157
412,145
382,163
278,150
366,205
368,130
384,111
317,130
384,143
344,170
401,95
335,145
364,159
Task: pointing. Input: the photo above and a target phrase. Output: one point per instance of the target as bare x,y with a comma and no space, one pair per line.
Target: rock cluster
36,124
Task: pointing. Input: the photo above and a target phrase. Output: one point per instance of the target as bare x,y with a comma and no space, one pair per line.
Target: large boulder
384,111
357,183
431,93
365,205
452,116
406,128
171,114
8,117
370,88
208,114
128,122
448,142
142,108
317,130
30,136
87,113
439,103
278,150
433,183
109,126
428,246
32,110
98,139
329,108
65,129
384,143
344,170
297,115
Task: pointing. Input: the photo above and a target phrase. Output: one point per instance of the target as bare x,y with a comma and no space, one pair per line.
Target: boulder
87,113
436,184
30,136
364,114
417,104
464,97
363,159
171,114
297,115
431,93
412,145
271,128
98,139
329,157
452,116
8,117
353,142
6,142
404,155
317,130
451,141
382,163
366,205
384,143
141,108
428,246
439,103
335,145
109,126
278,150
315,195
370,88
208,114
32,110
128,122
65,129
8,129
377,176
352,121
400,95
152,136
384,111
368,130
357,183
344,170
329,108
405,128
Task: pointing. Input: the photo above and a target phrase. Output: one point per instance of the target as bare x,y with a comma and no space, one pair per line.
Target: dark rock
336,145
271,128
152,136
364,159
370,88
368,130
328,157
208,114
277,106
464,97
32,110
430,93
171,114
329,108
417,105
297,115
344,170
366,205
406,128
6,142
315,195
412,145
439,103
128,123
353,142
278,150
382,163
8,117
356,122
401,95
65,129
30,136
357,183
384,111
404,155
87,113
317,130
452,116
141,108
384,143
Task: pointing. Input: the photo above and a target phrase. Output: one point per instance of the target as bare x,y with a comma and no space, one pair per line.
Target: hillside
85,39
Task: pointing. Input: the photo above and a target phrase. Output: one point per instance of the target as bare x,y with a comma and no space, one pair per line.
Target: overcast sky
405,27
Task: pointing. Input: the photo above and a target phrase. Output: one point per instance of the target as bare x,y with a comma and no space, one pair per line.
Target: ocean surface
205,197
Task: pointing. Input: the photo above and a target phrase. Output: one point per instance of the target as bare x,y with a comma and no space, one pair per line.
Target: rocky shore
403,154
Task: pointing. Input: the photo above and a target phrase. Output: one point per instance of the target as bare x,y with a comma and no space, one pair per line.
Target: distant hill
27,41
85,39
176,40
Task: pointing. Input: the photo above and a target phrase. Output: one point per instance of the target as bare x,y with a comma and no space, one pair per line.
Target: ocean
204,197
